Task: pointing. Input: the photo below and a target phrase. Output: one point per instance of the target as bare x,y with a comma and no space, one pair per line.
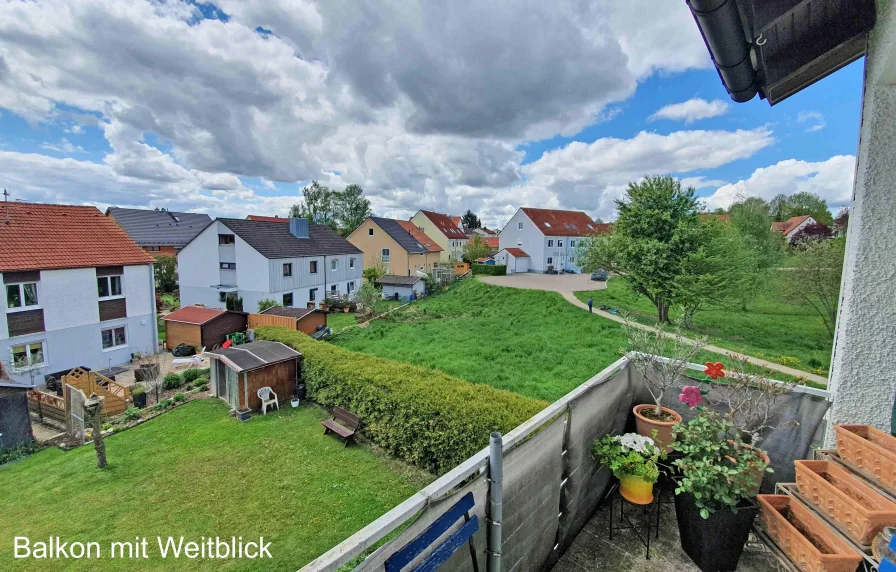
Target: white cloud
64,146
832,180
691,110
815,118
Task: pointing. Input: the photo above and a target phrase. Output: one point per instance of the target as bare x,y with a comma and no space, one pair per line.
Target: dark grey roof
288,312
393,280
273,240
159,228
255,355
401,236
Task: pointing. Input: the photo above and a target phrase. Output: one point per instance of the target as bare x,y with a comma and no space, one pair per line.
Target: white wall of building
198,268
528,238
800,227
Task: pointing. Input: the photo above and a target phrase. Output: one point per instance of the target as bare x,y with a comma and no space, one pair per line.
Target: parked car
600,275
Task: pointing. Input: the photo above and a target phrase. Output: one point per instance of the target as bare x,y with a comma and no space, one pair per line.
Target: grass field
531,342
195,471
338,322
771,328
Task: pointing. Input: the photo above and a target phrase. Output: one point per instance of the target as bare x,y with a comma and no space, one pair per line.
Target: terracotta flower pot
871,451
646,426
758,475
805,537
636,489
860,511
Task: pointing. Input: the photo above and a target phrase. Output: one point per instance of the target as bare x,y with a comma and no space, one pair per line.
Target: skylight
589,226
547,224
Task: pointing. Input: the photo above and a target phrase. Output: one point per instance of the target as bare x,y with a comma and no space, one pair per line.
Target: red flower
714,370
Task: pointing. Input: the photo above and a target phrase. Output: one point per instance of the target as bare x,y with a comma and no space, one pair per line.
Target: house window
114,338
222,296
108,286
351,287
351,262
333,288
519,242
550,260
287,300
313,267
519,226
312,294
334,264
153,249
369,232
228,266
27,356
572,243
559,244
385,255
550,243
21,295
287,269
226,239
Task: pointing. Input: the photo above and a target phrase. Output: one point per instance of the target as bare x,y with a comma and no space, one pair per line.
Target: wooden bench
343,424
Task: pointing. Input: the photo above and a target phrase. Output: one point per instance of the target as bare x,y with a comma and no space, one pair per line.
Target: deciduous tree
814,278
352,208
475,249
165,269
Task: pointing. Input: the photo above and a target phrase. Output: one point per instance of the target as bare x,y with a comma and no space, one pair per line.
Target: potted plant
659,375
714,495
138,394
632,459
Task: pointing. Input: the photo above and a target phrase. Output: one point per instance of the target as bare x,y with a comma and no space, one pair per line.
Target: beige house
445,233
398,245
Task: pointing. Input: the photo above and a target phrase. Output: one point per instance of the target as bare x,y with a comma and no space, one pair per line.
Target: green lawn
195,471
771,328
338,322
531,342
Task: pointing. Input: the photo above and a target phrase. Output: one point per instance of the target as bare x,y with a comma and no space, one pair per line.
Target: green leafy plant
266,304
717,468
137,390
628,455
191,375
489,269
172,381
180,397
162,405
130,414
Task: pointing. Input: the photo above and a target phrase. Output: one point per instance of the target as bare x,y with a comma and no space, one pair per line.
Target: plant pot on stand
646,423
715,543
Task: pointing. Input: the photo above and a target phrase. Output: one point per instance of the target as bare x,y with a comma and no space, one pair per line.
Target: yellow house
398,245
445,233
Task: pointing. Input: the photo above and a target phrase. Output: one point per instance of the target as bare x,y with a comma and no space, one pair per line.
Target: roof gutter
720,25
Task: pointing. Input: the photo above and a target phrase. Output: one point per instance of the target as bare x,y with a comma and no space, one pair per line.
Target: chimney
298,227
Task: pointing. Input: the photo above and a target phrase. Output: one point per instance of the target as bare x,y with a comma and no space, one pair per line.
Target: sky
231,107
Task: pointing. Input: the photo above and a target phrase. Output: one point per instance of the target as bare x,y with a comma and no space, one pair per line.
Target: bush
130,414
162,405
489,269
199,382
203,387
137,390
191,375
425,417
172,381
180,397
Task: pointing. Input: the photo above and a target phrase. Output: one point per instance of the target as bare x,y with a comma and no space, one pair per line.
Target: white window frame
287,269
550,260
153,249
559,243
385,255
112,329
551,243
312,267
334,265
369,232
350,287
27,346
227,265
222,297
292,300
334,288
108,280
21,288
225,239
312,295
351,262
572,243
519,226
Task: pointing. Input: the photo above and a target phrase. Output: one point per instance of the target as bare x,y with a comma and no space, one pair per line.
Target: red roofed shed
202,327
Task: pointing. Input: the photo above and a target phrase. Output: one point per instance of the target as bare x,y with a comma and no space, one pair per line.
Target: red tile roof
263,218
420,236
491,241
790,224
444,224
457,222
516,252
43,237
194,315
561,223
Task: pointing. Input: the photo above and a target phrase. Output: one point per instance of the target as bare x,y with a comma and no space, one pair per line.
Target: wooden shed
238,372
301,319
202,327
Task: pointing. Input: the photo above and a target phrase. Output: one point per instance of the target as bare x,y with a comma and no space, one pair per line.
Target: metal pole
495,501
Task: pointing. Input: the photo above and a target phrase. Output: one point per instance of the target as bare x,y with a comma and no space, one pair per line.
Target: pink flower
690,396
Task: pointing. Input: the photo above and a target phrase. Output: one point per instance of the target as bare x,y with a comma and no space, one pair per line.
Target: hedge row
489,269
426,417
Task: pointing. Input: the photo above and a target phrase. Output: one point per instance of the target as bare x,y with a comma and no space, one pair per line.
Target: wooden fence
262,320
117,396
47,406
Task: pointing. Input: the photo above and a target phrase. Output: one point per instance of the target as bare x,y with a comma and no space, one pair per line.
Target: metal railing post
495,501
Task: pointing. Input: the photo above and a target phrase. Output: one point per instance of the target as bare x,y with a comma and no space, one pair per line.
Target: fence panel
262,320
74,404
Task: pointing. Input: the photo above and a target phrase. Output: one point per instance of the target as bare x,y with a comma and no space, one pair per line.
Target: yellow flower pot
636,489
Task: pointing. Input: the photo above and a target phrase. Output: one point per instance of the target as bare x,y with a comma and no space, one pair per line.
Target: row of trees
673,255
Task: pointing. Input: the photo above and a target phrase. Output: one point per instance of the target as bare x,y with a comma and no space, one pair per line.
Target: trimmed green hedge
425,417
489,269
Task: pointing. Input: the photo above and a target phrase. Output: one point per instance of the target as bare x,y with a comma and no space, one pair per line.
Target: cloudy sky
230,108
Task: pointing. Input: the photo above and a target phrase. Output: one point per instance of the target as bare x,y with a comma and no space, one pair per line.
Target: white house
515,259
549,237
290,262
792,226
78,292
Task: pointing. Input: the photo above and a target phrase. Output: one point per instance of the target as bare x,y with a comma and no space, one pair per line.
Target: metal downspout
495,501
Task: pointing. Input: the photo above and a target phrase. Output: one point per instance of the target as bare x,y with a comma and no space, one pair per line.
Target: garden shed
301,319
238,372
515,259
402,286
202,327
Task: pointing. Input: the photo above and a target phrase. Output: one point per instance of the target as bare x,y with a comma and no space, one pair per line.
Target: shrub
137,390
130,414
191,375
180,397
162,405
19,452
489,269
172,381
425,417
199,382
203,387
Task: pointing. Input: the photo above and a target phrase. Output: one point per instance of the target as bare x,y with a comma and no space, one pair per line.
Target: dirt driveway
562,283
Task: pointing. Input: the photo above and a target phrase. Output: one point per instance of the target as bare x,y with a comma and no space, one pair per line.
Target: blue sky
229,108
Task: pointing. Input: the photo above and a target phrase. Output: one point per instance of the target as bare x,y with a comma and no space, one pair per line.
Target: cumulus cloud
813,118
691,110
832,180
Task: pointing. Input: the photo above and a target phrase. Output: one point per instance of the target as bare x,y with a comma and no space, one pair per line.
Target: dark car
600,275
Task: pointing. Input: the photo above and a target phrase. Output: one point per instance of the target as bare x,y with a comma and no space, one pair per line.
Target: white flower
635,442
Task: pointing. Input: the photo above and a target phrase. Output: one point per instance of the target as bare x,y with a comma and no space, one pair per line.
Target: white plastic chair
265,394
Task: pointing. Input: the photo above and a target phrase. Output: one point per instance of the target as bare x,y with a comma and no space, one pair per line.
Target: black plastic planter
714,544
139,400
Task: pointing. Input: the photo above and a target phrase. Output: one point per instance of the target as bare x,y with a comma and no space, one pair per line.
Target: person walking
590,305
